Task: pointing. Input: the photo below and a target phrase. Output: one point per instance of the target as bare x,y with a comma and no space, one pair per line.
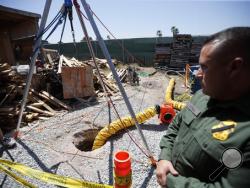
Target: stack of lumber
195,53
101,63
162,54
109,85
181,50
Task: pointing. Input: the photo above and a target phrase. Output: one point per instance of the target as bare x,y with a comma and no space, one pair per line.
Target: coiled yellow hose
141,117
168,97
118,125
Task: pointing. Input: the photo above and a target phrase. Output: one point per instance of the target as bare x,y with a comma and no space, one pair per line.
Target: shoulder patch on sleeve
222,130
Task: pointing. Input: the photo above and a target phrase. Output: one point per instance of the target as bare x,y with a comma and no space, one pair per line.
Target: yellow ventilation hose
168,97
141,117
118,125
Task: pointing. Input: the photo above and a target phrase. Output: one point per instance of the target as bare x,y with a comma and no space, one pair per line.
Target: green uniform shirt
198,136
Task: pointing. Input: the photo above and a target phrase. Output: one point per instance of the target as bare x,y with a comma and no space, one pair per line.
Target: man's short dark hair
235,41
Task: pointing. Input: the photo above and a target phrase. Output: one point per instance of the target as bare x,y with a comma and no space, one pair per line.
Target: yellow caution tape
16,178
51,178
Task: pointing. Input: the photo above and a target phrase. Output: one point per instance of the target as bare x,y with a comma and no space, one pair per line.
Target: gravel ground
48,145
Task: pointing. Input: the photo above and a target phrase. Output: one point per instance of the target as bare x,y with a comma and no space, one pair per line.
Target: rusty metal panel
77,82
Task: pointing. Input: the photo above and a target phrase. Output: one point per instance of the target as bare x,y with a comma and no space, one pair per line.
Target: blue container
195,83
68,3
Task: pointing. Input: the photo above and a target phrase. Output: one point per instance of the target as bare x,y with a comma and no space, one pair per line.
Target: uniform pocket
208,145
188,116
183,135
200,157
191,151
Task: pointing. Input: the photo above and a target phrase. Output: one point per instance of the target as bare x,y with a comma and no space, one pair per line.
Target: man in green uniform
208,142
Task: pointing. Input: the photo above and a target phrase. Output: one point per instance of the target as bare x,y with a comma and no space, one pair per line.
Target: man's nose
199,74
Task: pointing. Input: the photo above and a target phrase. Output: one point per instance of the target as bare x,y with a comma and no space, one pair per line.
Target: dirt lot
47,145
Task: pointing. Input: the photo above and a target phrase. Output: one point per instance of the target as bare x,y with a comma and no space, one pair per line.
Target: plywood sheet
77,82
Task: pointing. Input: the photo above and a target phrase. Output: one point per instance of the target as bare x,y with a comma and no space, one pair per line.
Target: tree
159,33
108,37
174,30
85,39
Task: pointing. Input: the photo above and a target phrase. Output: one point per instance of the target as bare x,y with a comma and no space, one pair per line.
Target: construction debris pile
59,63
57,79
40,105
10,87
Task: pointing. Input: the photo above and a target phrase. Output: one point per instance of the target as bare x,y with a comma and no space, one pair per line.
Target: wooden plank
124,76
7,116
112,86
76,62
4,66
44,105
37,104
43,118
31,116
45,97
39,110
108,88
60,65
56,100
110,75
122,73
77,82
49,58
7,95
68,63
6,109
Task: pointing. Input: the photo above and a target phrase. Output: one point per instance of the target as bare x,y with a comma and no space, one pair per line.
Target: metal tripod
106,54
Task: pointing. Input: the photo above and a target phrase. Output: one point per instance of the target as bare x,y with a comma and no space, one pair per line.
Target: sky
142,18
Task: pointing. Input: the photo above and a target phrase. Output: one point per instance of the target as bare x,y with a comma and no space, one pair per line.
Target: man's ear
236,66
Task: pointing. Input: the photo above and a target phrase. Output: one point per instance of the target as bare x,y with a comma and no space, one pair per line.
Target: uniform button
205,145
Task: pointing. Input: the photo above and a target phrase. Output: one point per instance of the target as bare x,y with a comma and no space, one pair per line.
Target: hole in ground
83,140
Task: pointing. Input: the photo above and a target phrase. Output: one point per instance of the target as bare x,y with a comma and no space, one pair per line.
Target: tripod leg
112,68
32,63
